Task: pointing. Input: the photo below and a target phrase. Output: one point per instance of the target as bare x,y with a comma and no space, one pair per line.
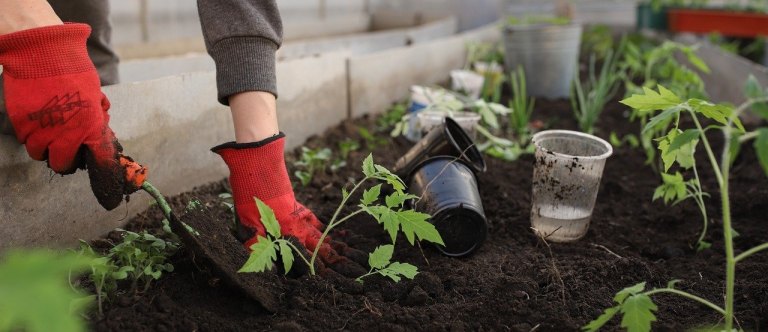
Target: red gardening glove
258,170
55,104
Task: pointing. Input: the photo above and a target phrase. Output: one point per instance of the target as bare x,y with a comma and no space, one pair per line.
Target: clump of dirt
513,282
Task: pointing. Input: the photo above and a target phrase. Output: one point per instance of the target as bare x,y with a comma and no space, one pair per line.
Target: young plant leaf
631,290
718,112
596,324
368,168
397,199
262,255
268,218
381,257
397,270
662,118
371,195
638,313
761,148
672,189
684,138
286,255
651,100
415,224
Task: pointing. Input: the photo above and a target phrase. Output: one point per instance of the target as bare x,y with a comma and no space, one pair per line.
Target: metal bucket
548,53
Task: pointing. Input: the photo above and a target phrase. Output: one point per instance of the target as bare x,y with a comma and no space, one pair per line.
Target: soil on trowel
514,282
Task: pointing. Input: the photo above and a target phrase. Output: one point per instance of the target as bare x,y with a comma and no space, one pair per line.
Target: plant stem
331,224
687,295
296,249
152,191
749,252
699,198
708,148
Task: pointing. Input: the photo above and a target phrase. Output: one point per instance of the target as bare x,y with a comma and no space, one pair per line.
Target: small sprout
312,162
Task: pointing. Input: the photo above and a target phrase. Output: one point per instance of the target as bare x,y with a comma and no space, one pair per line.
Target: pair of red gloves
55,104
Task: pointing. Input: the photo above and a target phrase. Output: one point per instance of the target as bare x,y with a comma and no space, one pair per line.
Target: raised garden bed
513,282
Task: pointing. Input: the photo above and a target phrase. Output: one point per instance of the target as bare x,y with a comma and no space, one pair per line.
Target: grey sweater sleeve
242,37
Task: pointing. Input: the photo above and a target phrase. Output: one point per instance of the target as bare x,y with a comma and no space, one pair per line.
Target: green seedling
392,215
104,273
597,39
228,202
658,65
35,296
589,98
522,107
146,254
347,146
380,261
484,52
629,139
518,119
392,118
312,162
372,141
677,147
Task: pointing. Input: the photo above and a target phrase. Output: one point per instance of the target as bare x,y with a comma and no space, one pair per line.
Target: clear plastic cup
466,120
566,178
467,82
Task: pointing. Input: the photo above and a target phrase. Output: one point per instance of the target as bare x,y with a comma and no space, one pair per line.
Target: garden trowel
212,240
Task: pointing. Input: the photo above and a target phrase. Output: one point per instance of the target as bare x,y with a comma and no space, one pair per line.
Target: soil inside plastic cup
566,177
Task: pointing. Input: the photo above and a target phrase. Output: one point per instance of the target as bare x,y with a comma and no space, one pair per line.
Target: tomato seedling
678,147
392,215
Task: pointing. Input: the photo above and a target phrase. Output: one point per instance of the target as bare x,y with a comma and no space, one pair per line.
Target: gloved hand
258,170
55,104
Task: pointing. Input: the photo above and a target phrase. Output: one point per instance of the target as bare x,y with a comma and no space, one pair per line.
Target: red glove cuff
46,51
257,171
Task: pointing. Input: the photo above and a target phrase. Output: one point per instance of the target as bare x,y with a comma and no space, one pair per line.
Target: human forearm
19,15
254,116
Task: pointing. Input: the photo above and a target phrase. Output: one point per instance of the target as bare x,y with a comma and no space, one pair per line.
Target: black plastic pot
448,139
448,192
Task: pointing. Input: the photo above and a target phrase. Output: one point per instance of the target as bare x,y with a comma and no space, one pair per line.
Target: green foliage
636,307
589,98
34,294
484,52
393,215
629,139
392,118
672,190
104,273
521,108
312,161
380,261
264,251
346,147
598,40
677,147
228,202
146,256
371,141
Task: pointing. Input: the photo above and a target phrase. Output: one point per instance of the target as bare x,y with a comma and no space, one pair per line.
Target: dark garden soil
514,282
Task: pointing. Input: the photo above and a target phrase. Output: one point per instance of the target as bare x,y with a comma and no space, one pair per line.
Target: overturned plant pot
447,190
448,139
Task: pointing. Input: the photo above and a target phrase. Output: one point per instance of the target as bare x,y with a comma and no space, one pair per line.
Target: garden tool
216,245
